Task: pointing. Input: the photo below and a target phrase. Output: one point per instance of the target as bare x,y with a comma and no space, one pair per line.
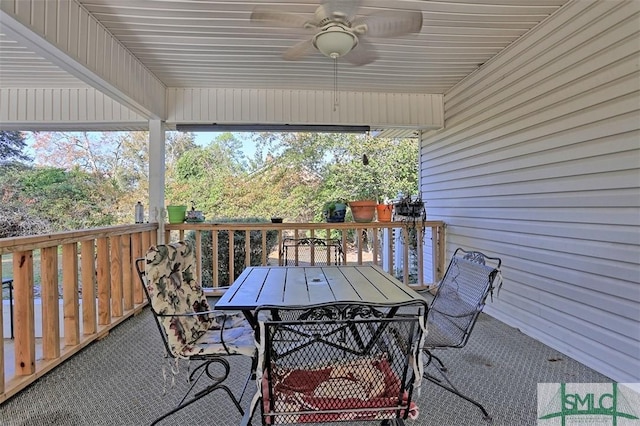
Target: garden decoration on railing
411,211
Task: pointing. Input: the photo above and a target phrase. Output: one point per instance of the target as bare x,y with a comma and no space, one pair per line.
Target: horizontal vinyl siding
539,164
266,106
64,109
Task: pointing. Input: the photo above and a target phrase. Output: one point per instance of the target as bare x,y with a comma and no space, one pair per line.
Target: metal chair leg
451,388
205,368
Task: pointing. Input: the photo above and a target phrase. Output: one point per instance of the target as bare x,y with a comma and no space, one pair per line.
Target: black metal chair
461,294
313,251
337,363
190,330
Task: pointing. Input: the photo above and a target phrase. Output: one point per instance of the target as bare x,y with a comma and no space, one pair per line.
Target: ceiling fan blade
298,51
341,10
364,53
391,23
285,19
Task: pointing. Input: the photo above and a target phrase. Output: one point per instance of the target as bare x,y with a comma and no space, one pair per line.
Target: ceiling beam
64,33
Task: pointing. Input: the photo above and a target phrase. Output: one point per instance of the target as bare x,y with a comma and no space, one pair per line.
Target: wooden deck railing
99,290
380,249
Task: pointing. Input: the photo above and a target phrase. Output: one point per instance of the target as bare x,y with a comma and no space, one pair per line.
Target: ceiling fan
339,32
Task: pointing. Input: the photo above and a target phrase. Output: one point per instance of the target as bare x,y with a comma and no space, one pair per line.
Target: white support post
156,175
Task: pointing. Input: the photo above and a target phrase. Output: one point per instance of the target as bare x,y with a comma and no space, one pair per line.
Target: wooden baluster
214,261
375,246
360,242
104,282
280,253
50,297
264,247
88,268
25,339
232,259
129,278
116,276
312,248
405,256
247,248
198,256
136,250
390,249
146,241
70,298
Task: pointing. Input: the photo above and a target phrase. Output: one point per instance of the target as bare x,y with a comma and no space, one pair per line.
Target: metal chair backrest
167,274
460,298
312,251
344,362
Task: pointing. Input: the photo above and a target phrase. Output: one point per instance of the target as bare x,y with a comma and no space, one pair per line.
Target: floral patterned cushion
173,290
234,340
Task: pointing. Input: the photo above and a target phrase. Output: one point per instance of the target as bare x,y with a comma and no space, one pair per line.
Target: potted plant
384,212
335,211
410,207
366,192
176,213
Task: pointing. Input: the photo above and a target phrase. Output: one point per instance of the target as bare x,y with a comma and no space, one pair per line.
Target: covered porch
527,117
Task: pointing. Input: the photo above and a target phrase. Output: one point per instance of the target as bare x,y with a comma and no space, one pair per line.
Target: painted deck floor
119,381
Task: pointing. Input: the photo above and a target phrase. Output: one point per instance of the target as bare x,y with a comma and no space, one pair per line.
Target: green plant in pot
334,211
365,192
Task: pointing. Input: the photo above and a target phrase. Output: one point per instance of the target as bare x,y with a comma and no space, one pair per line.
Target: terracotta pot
384,212
363,210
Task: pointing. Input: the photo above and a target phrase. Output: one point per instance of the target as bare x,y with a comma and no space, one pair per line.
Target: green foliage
68,199
97,178
239,254
392,168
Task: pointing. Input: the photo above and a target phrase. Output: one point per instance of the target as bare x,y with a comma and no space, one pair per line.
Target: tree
12,145
67,199
392,168
204,174
117,160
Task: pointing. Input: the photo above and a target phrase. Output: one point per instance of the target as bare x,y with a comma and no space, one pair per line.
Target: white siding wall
539,164
65,109
262,106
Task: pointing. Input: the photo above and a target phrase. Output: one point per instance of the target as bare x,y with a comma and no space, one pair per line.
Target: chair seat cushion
363,389
238,340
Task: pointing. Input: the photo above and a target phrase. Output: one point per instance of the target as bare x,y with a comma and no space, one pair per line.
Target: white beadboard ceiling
201,43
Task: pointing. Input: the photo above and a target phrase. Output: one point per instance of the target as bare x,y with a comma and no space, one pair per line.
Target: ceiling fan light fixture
335,41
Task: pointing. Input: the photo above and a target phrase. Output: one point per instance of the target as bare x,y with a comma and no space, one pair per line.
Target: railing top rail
32,242
236,226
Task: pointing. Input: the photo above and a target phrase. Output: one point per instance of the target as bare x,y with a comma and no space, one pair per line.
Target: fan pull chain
335,83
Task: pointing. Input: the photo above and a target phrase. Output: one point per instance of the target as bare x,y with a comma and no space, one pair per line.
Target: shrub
238,251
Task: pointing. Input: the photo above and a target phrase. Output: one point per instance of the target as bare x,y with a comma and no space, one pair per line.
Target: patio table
296,286
277,287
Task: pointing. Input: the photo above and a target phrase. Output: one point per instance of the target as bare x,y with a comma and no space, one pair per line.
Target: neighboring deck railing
104,258
380,248
99,290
